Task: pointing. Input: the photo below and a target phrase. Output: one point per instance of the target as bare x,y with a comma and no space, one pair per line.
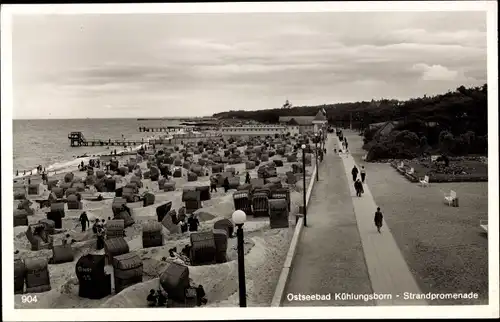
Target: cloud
202,64
436,72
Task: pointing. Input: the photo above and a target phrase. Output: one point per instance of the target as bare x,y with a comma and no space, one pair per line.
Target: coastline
67,166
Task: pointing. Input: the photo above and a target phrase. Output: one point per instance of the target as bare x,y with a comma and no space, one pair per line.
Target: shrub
392,150
460,145
408,138
369,134
446,141
412,126
479,145
423,142
378,151
470,137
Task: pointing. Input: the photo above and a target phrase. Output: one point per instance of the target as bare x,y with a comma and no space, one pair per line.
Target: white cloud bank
198,64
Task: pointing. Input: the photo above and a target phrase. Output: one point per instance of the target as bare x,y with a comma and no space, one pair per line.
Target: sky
172,65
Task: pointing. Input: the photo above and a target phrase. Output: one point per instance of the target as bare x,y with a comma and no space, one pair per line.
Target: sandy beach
265,248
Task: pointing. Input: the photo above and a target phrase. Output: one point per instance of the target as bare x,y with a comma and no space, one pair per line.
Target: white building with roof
304,124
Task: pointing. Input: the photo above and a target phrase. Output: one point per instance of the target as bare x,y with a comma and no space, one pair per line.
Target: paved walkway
329,256
387,268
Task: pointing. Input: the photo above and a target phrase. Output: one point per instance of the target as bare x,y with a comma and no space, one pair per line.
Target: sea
46,143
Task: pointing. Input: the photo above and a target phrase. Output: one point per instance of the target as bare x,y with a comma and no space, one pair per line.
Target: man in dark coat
193,223
358,186
247,178
354,173
200,296
84,220
226,184
378,219
213,184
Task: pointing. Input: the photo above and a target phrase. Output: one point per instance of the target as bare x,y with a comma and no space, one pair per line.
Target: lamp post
316,139
324,134
304,182
239,218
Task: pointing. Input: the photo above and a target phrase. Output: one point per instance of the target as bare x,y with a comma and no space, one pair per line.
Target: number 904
29,298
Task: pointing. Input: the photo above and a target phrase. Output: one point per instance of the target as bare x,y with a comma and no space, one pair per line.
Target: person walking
247,178
84,220
378,219
213,184
358,186
354,173
363,174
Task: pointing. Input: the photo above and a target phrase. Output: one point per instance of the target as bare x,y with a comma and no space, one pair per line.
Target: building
302,123
253,130
320,121
306,124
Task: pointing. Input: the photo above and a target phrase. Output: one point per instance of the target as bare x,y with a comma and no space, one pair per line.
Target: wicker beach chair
203,249
260,204
128,269
37,275
115,247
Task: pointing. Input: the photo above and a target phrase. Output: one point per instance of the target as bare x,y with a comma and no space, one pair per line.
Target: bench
424,182
451,199
484,224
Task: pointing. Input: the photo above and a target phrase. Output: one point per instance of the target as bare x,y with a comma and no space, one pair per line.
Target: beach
265,248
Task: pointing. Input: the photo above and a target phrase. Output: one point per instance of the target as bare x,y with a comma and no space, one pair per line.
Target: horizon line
112,118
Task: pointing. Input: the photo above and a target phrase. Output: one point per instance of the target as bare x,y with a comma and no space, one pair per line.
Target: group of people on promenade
359,182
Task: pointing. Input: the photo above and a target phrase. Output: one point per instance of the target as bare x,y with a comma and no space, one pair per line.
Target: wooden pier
77,139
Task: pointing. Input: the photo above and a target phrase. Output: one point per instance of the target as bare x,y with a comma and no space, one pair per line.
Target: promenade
388,271
329,257
341,251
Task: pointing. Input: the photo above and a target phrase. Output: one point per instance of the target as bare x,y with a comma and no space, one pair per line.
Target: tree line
454,117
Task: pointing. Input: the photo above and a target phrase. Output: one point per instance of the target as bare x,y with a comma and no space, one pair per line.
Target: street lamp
324,134
316,139
304,182
239,218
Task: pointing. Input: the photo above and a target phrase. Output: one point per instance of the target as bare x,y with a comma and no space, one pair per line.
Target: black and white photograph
265,160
